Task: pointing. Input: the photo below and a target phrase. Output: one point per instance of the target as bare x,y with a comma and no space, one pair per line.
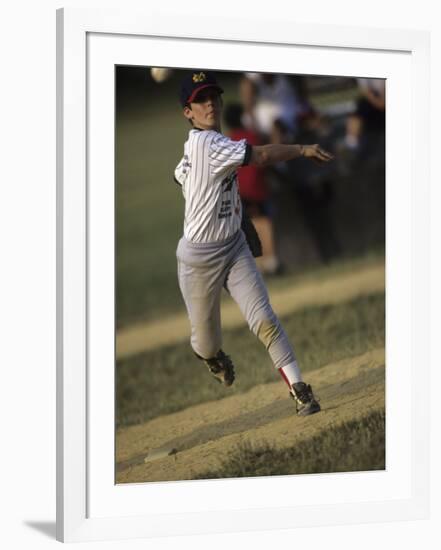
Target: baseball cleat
221,368
306,403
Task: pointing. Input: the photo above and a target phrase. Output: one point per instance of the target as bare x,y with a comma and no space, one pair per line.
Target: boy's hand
316,153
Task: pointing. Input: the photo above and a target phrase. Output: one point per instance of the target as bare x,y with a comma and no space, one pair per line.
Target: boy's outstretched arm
264,155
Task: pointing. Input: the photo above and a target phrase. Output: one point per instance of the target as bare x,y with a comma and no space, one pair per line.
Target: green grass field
149,219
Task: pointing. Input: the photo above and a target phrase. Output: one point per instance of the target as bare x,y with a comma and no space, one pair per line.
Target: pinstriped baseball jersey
208,176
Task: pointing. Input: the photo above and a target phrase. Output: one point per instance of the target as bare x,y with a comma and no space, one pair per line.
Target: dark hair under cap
194,82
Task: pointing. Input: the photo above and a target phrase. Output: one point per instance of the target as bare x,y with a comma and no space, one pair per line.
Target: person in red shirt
254,192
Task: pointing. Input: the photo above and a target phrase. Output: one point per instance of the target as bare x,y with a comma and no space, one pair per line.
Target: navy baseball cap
194,82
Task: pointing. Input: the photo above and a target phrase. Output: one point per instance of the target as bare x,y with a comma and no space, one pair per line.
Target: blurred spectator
254,192
369,116
313,186
272,106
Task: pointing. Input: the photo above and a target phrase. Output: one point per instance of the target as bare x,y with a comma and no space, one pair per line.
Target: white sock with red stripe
291,373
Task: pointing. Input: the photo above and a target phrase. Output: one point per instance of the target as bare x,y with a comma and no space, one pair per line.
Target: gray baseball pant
203,270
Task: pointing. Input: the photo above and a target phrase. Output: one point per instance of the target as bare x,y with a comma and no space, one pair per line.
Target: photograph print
250,274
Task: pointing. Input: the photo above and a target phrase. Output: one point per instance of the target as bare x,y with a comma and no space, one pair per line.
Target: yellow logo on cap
199,77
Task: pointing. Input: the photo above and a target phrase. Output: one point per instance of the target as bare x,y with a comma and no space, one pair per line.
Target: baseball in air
160,74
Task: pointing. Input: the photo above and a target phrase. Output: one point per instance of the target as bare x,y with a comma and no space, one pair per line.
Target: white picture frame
89,506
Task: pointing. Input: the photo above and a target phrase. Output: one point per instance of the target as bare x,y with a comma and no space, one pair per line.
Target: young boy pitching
213,252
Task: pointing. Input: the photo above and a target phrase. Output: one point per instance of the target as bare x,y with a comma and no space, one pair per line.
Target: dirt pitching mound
187,443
